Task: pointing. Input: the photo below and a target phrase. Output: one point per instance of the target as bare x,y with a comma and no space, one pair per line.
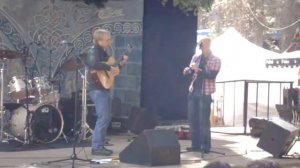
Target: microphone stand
73,156
85,128
50,64
28,130
35,62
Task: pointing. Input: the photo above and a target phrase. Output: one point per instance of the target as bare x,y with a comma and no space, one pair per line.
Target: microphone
66,42
38,41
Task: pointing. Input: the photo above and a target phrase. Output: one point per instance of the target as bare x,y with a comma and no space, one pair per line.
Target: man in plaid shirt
203,69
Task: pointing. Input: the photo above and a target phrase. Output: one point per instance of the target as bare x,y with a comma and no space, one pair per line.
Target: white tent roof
243,60
294,54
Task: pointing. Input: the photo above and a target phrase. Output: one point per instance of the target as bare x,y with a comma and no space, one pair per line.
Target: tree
193,6
98,3
185,5
260,21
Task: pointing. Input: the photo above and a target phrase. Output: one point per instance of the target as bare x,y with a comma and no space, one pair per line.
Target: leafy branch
191,6
98,3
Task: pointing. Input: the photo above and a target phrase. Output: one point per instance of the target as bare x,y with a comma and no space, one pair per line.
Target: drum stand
1,101
2,132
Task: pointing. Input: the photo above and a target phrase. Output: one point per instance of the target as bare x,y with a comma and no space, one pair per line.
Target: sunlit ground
235,149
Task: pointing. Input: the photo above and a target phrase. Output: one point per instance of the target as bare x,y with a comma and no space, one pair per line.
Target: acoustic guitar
106,79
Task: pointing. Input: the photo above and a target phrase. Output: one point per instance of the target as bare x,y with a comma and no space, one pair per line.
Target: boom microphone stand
84,126
28,130
73,156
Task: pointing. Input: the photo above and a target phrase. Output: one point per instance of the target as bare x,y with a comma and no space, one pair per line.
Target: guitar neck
123,59
121,63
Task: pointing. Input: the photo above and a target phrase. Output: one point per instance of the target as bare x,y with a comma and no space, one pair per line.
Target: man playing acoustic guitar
97,61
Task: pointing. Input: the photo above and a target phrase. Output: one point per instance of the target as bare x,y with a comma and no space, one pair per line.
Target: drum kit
33,116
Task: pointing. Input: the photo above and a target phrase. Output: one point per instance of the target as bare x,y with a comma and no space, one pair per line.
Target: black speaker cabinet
153,148
140,120
278,137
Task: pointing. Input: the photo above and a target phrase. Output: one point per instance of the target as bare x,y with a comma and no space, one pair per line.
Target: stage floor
238,150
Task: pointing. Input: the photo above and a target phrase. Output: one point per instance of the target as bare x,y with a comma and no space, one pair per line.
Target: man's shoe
102,152
108,149
206,151
193,149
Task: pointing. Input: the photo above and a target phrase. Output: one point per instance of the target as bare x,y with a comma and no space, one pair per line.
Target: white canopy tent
243,60
294,54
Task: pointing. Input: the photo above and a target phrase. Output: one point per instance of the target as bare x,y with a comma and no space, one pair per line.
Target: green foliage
187,6
256,20
98,3
191,6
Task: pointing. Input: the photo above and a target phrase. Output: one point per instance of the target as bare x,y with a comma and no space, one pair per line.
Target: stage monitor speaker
278,137
140,120
285,112
153,148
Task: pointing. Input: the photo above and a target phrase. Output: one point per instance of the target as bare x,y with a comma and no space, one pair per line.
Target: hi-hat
8,54
74,63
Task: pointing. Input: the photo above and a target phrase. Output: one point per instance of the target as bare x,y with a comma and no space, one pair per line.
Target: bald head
205,46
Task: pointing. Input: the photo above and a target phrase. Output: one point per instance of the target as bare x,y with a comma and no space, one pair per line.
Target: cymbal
74,63
8,54
11,105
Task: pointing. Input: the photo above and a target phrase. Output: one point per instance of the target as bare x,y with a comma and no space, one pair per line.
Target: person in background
262,164
217,164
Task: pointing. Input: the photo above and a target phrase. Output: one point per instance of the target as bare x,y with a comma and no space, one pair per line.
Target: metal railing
246,93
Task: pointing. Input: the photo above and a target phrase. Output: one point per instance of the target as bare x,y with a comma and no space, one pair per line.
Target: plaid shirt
213,64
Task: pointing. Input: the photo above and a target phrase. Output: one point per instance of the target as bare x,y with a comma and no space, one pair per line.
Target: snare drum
17,88
46,123
41,85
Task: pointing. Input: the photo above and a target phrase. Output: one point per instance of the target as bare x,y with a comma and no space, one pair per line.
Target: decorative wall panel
36,29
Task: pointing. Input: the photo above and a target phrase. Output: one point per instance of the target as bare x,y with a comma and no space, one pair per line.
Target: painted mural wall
36,29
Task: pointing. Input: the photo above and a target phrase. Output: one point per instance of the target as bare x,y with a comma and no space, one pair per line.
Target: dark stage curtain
169,40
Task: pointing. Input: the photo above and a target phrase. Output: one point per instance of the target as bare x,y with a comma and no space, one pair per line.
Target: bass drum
46,123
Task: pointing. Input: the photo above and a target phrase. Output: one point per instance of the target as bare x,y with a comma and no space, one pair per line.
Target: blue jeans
199,120
101,101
